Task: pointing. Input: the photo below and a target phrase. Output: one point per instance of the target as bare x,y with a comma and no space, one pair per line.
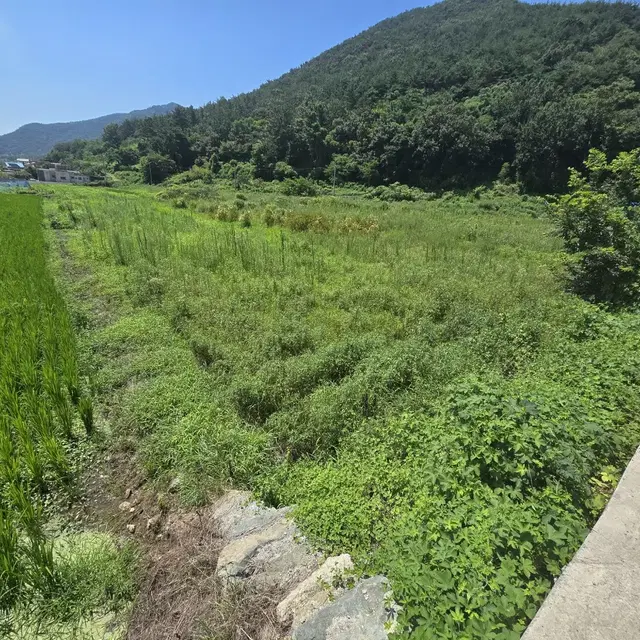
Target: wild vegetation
46,580
446,97
411,375
346,296
599,222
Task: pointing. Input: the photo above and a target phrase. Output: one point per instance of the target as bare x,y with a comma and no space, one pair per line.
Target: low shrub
194,174
284,171
396,193
273,215
306,221
226,213
299,187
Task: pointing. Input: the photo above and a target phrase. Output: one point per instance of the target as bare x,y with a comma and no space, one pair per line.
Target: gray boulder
358,614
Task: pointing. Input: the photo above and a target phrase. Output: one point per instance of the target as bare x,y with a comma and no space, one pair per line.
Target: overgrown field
46,579
410,375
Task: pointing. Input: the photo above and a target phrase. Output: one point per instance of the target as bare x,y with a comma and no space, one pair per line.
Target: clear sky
74,60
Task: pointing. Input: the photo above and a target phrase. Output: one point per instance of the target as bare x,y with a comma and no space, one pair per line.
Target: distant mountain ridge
36,139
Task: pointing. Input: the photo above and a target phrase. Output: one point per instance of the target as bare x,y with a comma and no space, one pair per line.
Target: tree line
446,97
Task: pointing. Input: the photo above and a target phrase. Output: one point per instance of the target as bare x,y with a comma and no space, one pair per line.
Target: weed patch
409,374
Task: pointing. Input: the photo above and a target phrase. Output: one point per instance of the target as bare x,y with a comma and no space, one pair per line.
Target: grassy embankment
411,376
54,580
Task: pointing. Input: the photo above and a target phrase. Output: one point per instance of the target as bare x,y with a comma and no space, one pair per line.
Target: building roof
14,165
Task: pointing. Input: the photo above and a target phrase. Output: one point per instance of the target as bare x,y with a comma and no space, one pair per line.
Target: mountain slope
439,97
35,139
469,44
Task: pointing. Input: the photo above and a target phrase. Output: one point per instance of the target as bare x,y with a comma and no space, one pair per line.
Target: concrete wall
597,597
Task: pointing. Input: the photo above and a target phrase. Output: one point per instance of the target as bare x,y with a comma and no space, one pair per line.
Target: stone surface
314,592
597,597
237,516
235,558
282,563
125,506
357,614
153,524
262,547
131,528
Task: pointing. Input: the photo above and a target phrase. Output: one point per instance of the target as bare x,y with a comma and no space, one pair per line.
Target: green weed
410,374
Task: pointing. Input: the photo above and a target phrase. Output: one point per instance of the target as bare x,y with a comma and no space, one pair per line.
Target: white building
63,176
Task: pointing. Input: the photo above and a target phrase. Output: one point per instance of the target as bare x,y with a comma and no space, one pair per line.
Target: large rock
358,614
264,548
282,563
237,516
234,560
314,592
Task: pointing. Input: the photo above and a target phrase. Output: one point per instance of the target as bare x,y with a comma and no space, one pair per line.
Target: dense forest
449,96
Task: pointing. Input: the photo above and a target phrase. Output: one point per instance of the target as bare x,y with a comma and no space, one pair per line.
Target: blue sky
77,59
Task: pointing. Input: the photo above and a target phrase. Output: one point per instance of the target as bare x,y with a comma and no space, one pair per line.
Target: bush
396,193
273,215
284,171
306,221
362,225
156,168
194,174
599,224
225,213
299,187
239,173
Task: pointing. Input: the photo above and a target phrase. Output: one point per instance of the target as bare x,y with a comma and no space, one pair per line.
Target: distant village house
63,176
14,166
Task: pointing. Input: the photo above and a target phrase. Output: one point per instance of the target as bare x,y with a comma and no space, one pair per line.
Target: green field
410,375
48,578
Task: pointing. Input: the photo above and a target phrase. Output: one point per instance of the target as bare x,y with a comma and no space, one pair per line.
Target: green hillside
36,139
440,97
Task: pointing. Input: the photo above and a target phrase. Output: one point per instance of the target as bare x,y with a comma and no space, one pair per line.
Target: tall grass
39,389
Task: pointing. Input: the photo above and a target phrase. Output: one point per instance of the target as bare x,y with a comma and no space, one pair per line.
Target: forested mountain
446,96
36,139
